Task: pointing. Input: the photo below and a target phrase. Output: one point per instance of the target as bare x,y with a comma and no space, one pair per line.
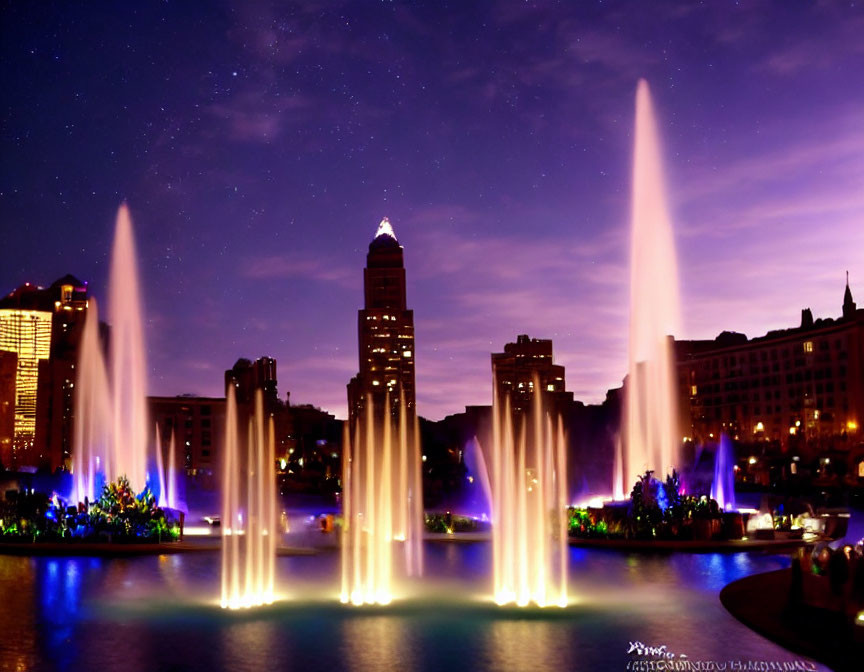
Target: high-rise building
385,329
248,376
8,369
515,370
42,327
197,425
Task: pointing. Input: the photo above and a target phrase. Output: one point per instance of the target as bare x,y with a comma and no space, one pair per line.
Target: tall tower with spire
848,304
385,328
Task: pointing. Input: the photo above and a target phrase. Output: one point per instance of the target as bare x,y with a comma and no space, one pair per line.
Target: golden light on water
529,490
249,563
382,505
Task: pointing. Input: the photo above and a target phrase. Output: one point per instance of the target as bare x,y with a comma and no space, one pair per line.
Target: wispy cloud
253,116
296,266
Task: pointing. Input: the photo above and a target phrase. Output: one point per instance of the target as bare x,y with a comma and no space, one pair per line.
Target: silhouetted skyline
259,145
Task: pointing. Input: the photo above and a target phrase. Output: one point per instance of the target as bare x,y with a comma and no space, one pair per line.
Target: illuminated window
861,469
550,387
693,390
406,353
808,346
28,334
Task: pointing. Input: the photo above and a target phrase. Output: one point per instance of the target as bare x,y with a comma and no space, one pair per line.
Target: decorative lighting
384,229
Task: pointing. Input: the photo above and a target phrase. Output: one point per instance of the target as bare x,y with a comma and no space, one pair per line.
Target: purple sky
259,144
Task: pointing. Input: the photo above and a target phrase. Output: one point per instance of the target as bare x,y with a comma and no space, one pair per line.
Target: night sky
259,144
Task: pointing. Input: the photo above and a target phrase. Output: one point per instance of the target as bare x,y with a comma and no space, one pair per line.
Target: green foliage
117,515
657,510
121,515
584,523
450,524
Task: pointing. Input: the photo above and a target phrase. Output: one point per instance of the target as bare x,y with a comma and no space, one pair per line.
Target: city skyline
253,212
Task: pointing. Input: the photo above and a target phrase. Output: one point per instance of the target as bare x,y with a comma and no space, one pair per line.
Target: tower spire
385,229
848,304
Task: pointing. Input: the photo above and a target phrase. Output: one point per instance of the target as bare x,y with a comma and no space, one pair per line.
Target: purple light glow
496,136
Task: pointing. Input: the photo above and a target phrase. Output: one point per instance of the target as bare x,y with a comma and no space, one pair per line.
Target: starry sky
258,145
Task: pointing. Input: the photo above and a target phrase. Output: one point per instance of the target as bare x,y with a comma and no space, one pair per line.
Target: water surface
160,613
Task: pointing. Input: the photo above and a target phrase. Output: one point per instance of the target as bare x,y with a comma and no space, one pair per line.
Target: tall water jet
172,500
249,516
93,416
160,470
128,369
382,502
529,503
166,472
618,493
723,486
480,500
651,418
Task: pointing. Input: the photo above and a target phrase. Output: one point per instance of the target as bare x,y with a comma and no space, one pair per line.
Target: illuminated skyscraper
385,329
27,333
42,327
514,372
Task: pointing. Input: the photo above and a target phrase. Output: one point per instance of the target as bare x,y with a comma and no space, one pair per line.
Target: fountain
166,476
618,493
160,469
723,485
650,409
529,502
92,440
111,406
382,503
172,498
480,499
128,370
249,518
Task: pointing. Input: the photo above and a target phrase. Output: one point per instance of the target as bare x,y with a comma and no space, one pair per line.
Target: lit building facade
8,368
795,387
248,376
515,370
27,333
385,329
42,327
197,425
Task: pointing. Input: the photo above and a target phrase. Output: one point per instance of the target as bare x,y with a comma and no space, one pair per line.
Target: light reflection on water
157,612
376,643
528,645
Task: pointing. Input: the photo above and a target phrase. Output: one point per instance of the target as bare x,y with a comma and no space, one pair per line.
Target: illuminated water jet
249,518
618,493
529,504
166,472
723,485
382,503
650,411
111,434
127,370
172,500
160,469
93,416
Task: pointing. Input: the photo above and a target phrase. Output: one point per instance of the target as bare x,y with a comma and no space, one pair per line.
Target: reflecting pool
162,612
